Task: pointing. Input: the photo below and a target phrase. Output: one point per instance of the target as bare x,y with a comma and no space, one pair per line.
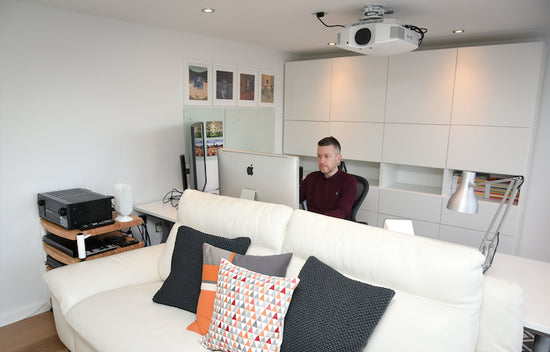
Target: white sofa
442,300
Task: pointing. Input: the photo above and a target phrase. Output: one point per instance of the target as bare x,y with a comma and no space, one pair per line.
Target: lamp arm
496,182
490,240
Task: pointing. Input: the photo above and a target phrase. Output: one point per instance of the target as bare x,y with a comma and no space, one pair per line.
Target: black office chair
362,190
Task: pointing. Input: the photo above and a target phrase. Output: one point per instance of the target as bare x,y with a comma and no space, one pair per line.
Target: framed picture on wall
248,87
225,78
267,88
197,83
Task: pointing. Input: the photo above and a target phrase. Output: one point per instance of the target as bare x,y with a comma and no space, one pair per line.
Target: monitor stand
248,193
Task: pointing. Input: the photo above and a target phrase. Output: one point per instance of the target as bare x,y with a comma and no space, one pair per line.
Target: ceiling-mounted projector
374,35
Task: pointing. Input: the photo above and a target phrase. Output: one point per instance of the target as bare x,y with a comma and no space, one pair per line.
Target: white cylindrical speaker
123,202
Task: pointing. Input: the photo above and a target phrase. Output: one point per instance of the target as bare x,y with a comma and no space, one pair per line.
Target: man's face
328,160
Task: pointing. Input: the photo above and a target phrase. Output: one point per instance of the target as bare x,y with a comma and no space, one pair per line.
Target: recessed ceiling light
207,10
332,44
457,31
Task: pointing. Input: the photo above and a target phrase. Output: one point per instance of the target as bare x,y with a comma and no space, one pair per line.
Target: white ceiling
290,25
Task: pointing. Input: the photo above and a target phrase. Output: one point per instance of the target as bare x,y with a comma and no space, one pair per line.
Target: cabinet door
501,150
307,90
410,205
481,220
473,238
301,137
371,200
420,87
358,88
421,145
498,85
359,141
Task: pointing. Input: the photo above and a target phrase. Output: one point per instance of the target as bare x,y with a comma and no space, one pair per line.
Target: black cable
205,173
416,29
172,197
144,233
322,14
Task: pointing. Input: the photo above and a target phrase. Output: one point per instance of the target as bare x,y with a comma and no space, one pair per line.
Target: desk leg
166,227
542,343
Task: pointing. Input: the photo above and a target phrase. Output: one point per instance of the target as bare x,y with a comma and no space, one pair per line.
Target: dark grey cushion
330,312
182,287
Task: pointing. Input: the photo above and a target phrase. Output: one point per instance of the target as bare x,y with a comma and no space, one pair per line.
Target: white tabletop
164,211
534,278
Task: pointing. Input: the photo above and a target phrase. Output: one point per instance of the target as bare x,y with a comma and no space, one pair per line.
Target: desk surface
534,278
164,211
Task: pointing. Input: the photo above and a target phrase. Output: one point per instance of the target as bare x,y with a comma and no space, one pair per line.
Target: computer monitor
265,177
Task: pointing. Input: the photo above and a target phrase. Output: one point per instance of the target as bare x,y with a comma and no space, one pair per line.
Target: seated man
329,191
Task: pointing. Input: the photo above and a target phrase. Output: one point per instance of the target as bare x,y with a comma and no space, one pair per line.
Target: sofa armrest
73,283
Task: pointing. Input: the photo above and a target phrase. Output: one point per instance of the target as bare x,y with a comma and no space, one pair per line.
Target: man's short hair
330,141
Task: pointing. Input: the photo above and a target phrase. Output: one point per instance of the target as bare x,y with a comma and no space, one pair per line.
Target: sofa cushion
330,312
273,265
126,319
182,287
438,285
249,310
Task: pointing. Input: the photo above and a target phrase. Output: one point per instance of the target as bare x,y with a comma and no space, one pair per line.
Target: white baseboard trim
24,313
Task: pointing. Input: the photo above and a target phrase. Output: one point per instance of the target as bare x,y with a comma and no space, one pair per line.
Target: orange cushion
274,265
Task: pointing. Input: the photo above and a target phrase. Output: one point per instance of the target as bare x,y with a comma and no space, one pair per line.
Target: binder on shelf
483,190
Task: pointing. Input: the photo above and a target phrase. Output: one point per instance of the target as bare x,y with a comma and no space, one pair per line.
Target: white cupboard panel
501,150
367,216
410,205
422,145
371,200
307,90
473,238
481,220
301,137
358,88
359,141
420,87
498,85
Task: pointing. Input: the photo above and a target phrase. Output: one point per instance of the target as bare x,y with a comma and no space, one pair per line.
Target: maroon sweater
332,196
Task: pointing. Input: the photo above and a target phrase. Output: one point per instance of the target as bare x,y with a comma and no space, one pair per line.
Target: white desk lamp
465,201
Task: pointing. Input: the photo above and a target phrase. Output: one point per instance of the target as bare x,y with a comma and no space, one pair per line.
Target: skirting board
24,313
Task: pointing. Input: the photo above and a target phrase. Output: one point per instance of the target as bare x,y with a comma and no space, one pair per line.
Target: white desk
163,211
534,278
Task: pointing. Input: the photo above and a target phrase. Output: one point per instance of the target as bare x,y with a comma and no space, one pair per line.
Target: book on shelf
482,189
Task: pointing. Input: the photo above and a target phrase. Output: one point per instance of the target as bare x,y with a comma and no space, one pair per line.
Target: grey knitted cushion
182,287
330,312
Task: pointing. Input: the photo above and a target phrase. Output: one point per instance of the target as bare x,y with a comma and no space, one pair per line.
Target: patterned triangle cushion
249,310
274,265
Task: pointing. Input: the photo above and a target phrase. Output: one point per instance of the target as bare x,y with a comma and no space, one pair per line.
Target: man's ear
338,158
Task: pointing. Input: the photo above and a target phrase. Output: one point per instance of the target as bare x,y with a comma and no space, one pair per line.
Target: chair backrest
362,190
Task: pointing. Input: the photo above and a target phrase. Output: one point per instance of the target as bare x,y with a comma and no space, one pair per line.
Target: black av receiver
76,208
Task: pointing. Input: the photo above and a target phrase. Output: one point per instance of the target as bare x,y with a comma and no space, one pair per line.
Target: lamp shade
464,199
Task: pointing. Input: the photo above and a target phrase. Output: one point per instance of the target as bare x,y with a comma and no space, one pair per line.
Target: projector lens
362,36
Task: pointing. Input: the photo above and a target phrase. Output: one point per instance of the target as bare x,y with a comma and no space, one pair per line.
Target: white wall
535,233
87,102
